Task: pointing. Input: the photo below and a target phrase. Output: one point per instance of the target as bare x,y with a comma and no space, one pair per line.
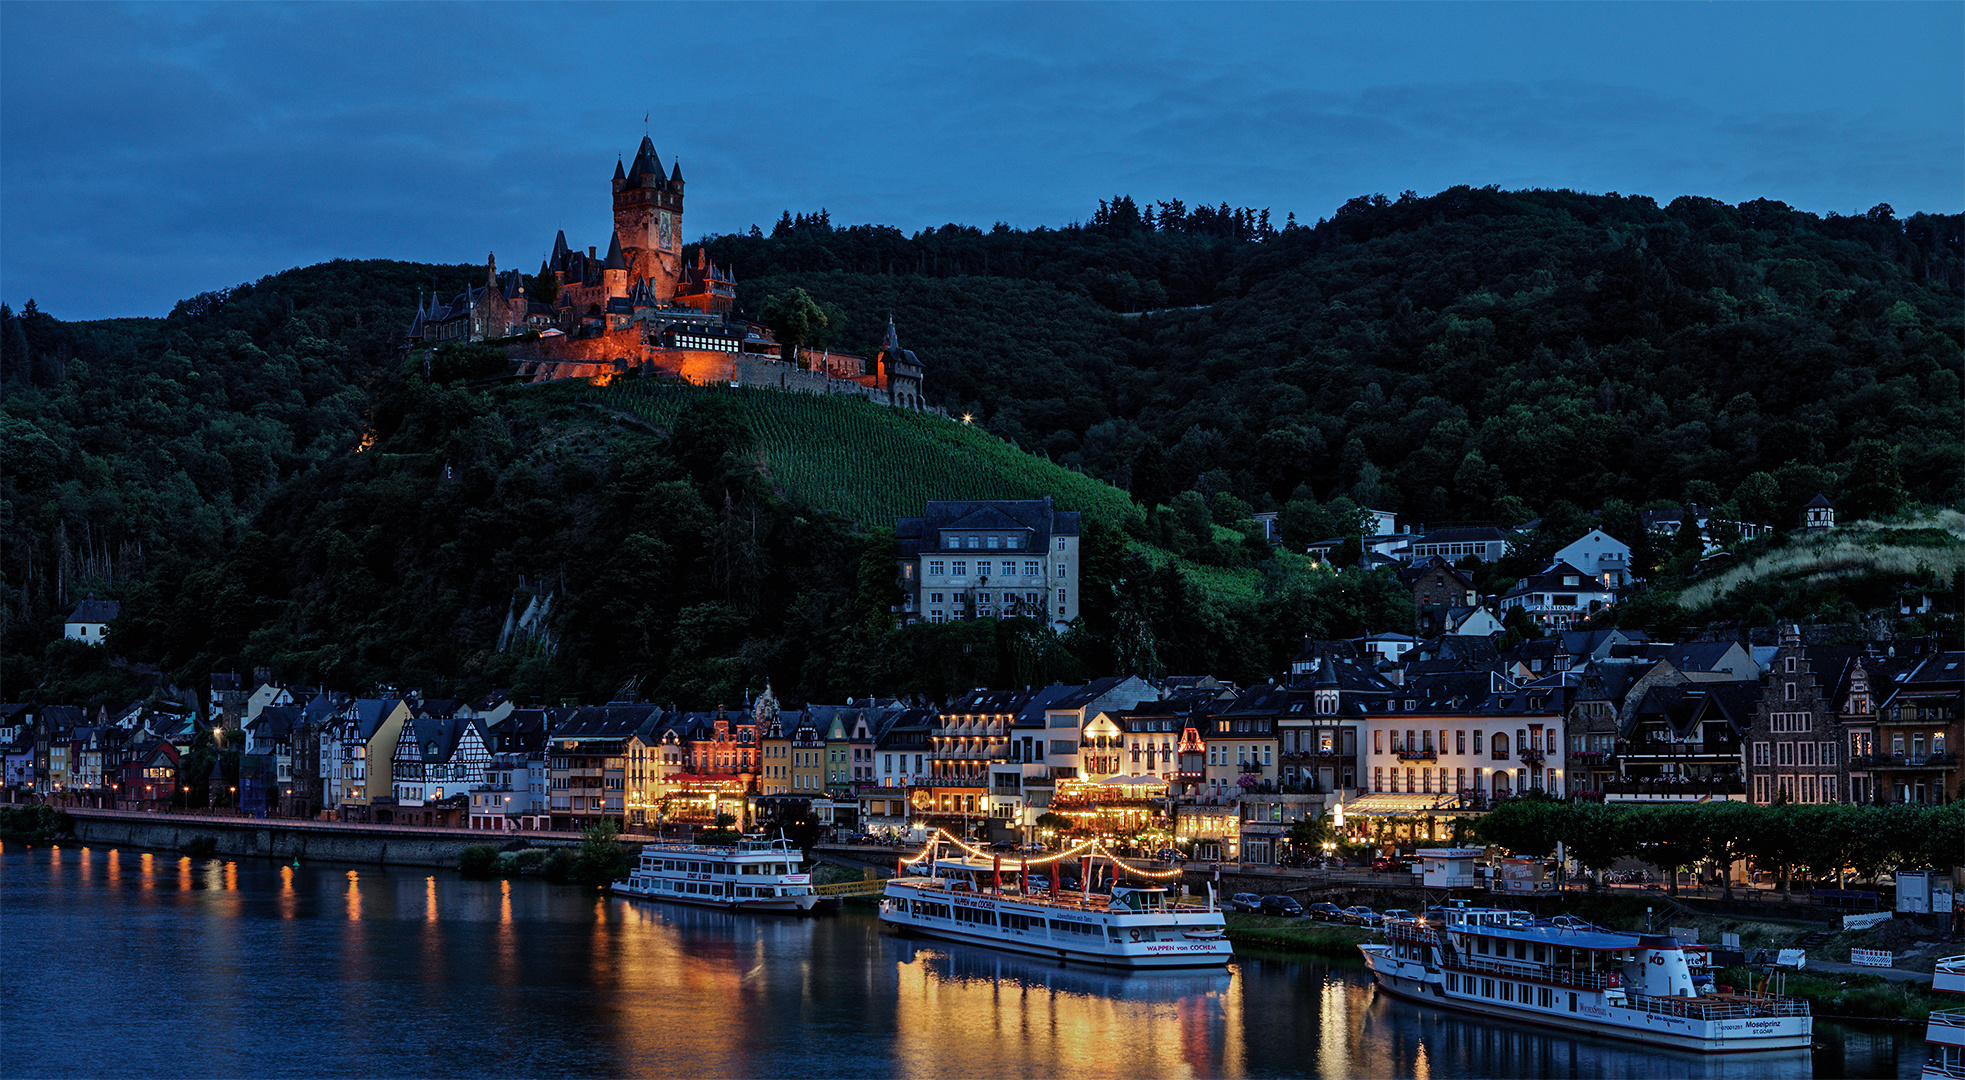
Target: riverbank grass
1296,935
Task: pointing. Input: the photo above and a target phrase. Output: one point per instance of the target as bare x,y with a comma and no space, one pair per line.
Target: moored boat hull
794,905
1187,954
1757,1034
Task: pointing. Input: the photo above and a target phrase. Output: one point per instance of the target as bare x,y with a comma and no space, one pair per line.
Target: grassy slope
1935,541
873,464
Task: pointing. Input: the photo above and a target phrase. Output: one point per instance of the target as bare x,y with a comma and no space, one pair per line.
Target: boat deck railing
1582,980
1719,1006
1098,902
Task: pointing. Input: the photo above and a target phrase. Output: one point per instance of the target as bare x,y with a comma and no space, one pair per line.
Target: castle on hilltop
645,308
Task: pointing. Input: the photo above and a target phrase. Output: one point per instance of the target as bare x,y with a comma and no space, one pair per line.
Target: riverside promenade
283,838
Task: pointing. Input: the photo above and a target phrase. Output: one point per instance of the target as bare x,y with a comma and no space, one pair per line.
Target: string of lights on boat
1088,848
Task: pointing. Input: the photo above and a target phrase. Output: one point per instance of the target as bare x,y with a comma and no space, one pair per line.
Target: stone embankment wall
388,845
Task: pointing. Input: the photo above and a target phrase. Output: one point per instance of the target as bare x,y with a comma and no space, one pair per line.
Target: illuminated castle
644,307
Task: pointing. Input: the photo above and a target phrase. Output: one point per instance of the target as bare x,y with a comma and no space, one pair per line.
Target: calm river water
130,963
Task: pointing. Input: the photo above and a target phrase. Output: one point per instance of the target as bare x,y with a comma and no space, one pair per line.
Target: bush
477,861
34,822
561,866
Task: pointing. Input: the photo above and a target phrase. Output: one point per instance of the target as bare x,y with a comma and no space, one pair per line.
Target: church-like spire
615,260
675,174
619,174
892,340
647,161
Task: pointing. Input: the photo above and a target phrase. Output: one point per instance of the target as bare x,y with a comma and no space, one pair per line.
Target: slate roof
95,611
1698,655
1040,516
617,721
1088,693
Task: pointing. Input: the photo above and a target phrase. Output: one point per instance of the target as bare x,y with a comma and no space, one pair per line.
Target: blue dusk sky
152,151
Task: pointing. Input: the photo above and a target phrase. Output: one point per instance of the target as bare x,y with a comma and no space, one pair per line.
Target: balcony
1672,791
1946,760
1531,755
1428,754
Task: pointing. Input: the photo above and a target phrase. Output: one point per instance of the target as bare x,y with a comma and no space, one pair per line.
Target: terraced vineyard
872,463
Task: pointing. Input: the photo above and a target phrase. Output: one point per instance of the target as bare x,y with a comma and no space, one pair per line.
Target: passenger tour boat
1568,974
1019,905
755,874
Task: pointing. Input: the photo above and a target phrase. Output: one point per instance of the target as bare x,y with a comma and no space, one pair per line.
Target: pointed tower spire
615,260
892,340
619,174
675,174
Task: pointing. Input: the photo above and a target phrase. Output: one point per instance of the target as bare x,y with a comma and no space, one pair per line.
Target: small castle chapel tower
648,220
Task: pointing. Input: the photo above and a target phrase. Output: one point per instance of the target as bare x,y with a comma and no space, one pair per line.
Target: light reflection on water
409,972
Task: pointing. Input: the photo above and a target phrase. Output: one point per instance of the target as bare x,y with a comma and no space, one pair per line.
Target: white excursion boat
755,874
1568,974
1014,904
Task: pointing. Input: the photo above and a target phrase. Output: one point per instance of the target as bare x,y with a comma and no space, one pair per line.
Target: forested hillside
1474,354
1477,354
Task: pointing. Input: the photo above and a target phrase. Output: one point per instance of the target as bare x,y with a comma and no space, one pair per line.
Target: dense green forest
1477,354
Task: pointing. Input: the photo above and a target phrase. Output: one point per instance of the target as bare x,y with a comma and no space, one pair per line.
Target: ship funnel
1664,970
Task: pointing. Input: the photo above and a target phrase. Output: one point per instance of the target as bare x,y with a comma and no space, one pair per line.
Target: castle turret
614,272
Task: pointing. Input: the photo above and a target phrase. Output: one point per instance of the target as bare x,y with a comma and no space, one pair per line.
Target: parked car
1396,913
1246,902
1389,866
1282,907
1360,915
1326,911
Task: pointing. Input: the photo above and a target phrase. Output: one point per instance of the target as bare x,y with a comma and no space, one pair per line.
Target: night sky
151,152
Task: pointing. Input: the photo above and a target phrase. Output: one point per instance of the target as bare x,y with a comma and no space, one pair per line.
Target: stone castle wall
609,356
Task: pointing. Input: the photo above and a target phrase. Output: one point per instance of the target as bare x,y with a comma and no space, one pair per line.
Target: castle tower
648,220
614,272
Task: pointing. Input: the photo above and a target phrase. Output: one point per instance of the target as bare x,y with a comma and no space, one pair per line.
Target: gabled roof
1820,500
95,611
367,714
1551,580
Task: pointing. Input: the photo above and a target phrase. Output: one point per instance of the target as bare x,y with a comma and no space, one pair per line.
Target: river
120,962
